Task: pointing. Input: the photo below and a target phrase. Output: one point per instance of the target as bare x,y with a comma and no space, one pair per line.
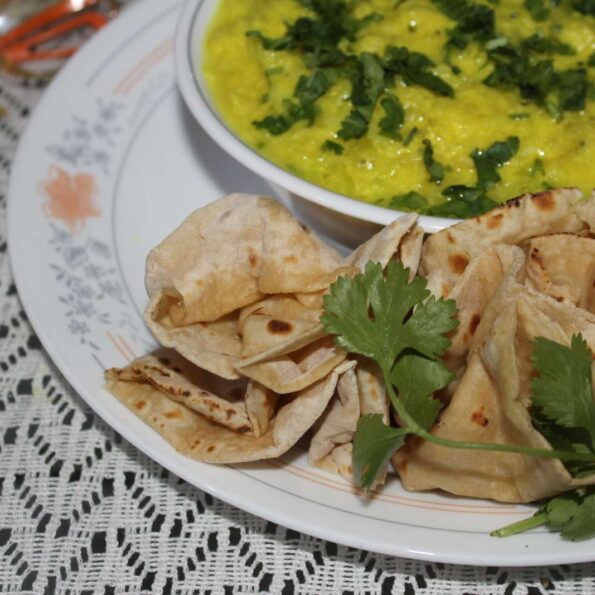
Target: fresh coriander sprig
399,325
572,514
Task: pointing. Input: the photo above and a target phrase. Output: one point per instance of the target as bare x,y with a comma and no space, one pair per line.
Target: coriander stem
412,426
537,520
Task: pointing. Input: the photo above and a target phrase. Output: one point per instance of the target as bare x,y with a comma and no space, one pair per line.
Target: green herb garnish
410,201
488,161
394,117
537,9
434,169
401,327
572,514
332,147
563,410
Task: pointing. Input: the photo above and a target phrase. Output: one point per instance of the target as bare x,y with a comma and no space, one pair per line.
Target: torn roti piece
490,273
284,346
358,393
223,257
202,439
491,404
563,267
221,401
517,221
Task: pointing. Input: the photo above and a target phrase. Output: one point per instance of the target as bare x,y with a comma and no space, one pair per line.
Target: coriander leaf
414,67
537,10
310,88
572,513
563,392
347,312
591,60
367,314
572,89
410,136
332,147
424,330
416,379
374,444
487,161
474,22
546,45
355,125
537,168
294,112
582,524
367,79
463,202
394,118
561,509
411,201
367,84
584,6
274,125
434,169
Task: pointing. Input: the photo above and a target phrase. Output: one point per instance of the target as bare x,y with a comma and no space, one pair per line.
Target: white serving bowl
343,219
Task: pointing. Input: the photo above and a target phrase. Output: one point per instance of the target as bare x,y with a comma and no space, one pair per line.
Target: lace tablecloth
82,511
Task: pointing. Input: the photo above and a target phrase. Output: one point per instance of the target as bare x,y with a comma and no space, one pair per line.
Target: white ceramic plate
111,163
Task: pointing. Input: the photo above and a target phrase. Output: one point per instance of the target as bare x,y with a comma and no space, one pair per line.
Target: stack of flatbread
246,370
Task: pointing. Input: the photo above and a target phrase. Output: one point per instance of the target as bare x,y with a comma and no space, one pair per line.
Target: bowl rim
197,100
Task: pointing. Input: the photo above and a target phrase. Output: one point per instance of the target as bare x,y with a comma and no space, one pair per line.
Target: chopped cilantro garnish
394,117
488,161
475,22
546,45
414,68
537,168
434,169
410,201
584,6
410,136
332,147
537,9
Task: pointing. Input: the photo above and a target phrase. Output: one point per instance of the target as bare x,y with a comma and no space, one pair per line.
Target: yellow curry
439,106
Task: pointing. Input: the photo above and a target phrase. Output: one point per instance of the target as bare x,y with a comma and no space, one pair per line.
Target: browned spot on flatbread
210,448
513,202
279,327
243,429
479,418
164,361
458,263
290,258
544,201
140,405
172,414
495,220
474,323
303,226
252,257
449,237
